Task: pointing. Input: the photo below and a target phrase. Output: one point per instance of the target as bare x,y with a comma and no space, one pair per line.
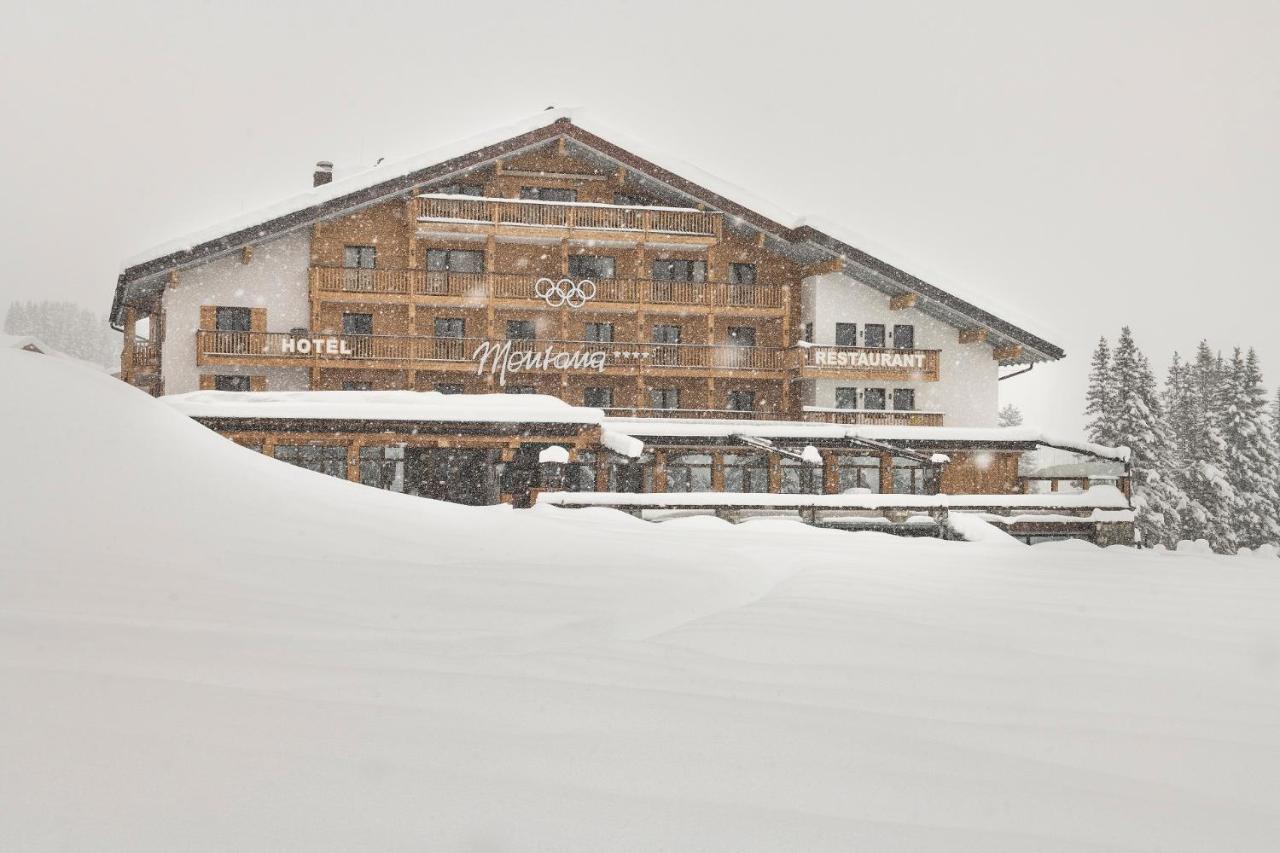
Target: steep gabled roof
782,230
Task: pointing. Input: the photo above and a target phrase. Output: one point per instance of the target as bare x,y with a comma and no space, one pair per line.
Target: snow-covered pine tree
1210,496
1009,416
1251,455
1139,424
1100,397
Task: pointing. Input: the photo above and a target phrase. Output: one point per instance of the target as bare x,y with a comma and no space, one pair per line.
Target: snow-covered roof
1098,497
740,207
382,406
1079,470
26,342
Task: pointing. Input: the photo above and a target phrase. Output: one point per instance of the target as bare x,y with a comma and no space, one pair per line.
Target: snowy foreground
204,649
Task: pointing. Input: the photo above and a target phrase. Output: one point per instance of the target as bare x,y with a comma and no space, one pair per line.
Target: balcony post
130,339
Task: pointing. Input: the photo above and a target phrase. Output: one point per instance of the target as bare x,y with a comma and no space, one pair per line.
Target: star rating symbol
623,354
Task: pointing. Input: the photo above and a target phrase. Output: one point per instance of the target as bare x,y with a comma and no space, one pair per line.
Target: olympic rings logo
566,291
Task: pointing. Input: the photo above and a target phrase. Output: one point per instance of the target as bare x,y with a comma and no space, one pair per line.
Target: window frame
232,379
846,332
867,335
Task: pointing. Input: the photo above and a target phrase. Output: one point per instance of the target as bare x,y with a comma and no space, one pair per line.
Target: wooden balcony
394,352
557,220
519,288
902,365
870,417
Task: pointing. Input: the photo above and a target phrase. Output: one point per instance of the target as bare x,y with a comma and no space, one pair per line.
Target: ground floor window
580,475
357,386
326,458
799,477
742,401
904,399
746,472
664,398
873,398
600,398
910,477
689,472
631,475
846,398
859,474
231,383
383,467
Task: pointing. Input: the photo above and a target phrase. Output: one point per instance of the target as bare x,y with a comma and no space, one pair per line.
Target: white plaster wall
275,279
966,391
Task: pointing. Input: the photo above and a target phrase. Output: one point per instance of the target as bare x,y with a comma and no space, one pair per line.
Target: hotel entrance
458,475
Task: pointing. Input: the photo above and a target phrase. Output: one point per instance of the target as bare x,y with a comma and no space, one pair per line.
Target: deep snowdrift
203,649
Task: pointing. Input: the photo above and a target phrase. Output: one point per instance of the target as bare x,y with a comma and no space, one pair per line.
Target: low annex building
672,337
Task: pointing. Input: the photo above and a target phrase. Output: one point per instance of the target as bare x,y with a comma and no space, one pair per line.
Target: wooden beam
173,279
903,301
973,336
246,254
1007,353
832,265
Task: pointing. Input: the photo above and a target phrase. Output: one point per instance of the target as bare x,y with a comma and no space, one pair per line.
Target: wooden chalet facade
552,261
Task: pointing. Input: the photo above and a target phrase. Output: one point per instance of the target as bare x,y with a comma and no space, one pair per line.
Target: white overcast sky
1084,165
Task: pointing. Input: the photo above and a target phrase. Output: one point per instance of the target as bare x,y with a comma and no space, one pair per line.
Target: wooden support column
717,471
659,470
602,472
490,263
830,472
886,473
353,461
130,337
775,474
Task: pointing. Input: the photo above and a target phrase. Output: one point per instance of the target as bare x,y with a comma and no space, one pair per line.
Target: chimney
323,173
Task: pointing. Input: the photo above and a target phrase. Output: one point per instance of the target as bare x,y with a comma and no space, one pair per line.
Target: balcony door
454,272
234,325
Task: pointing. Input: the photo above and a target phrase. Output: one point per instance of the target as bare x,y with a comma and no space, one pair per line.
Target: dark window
846,334
664,398
359,257
846,398
357,386
799,477
873,335
357,324
746,472
859,473
808,333
742,336
231,383
450,388
520,330
599,332
666,334
520,389
909,477
742,401
680,270
598,398
904,337
548,194
580,474
591,266
689,472
325,458
904,399
742,273
232,319
383,467
454,260
450,327
460,189
873,398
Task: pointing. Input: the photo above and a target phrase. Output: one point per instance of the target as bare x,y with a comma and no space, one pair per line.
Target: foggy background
1082,166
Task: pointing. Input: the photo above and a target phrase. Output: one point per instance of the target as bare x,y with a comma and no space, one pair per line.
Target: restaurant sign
868,358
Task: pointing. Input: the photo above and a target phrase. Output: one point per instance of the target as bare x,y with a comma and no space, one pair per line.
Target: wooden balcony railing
871,417
515,286
869,362
146,355
229,347
544,214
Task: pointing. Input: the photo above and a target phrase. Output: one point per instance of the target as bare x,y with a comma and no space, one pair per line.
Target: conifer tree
1009,416
1210,495
1100,397
1139,424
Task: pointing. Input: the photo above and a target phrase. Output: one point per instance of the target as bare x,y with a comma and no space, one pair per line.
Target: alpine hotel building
681,347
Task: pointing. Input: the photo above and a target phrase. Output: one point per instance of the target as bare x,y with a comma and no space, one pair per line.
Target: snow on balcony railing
552,214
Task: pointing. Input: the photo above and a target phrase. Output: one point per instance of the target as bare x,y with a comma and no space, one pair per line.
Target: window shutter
208,316
257,383
257,319
206,379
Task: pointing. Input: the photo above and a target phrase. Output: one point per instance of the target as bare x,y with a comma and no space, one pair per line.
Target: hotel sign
314,346
500,359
